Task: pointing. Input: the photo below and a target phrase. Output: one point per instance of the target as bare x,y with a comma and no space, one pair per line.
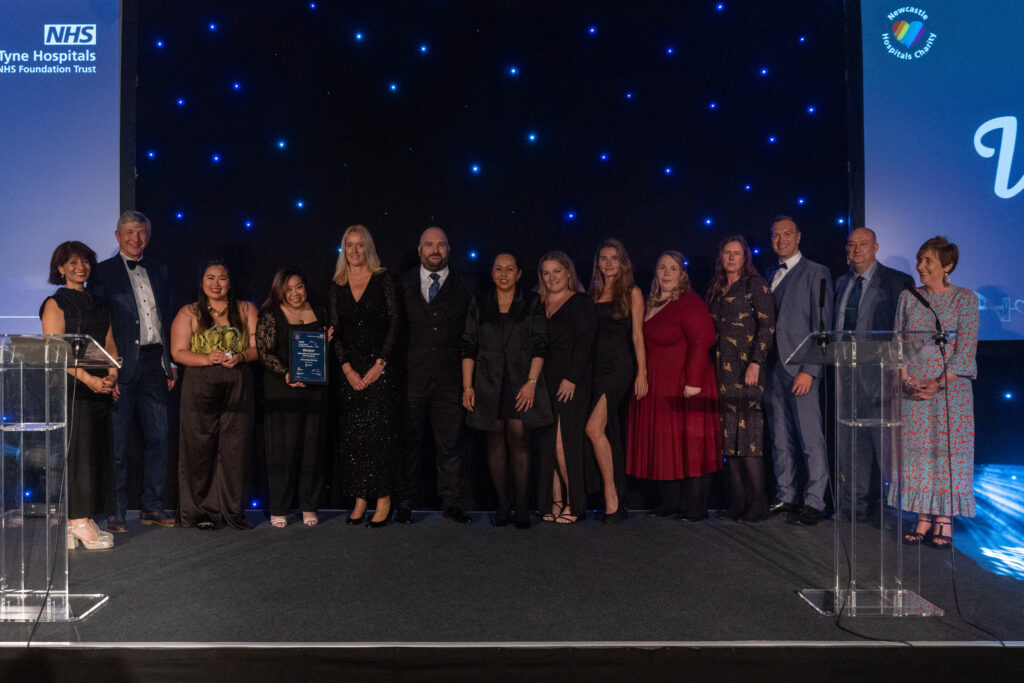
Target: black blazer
114,287
496,355
434,334
884,288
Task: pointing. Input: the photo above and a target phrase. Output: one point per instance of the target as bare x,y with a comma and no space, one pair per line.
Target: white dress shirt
145,300
783,272
425,281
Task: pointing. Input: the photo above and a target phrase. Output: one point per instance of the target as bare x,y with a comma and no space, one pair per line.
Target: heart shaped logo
907,33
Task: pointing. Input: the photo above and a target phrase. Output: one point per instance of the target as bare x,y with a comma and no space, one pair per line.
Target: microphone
940,336
822,337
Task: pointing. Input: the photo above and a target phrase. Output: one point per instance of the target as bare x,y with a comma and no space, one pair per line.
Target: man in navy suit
865,299
793,393
137,292
436,303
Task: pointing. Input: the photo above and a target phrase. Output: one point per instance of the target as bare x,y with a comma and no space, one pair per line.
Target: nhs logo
69,34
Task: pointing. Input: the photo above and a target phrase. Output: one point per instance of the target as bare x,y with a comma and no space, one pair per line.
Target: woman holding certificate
364,308
293,409
215,339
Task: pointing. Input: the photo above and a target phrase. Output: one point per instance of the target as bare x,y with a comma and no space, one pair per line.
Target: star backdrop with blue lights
263,130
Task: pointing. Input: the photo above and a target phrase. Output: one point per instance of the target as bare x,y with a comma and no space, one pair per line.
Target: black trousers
294,430
441,408
89,455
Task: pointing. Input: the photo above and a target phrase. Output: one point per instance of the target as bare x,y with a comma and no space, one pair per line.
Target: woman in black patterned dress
744,315
364,308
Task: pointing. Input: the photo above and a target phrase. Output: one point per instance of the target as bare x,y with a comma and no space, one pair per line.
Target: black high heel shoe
615,517
355,521
377,525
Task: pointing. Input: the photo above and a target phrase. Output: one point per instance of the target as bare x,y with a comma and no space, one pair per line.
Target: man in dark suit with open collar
137,292
436,301
865,300
793,397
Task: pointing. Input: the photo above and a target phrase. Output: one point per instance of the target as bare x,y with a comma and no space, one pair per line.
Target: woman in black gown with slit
364,308
618,352
561,492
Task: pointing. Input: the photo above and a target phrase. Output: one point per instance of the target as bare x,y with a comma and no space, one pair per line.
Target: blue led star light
841,221
771,139
1008,396
531,137
570,215
513,70
180,101
668,170
212,26
300,204
159,43
802,39
763,71
708,221
247,224
254,503
592,30
179,216
811,109
312,5
670,50
712,105
236,85
424,48
755,251
282,143
747,187
629,95
604,156
801,201
393,87
151,154
472,254
720,6
474,169
215,158
358,36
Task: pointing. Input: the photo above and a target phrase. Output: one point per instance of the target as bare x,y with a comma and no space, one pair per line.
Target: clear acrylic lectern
33,506
875,575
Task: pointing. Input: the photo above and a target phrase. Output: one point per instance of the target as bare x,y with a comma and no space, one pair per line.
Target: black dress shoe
456,514
779,506
523,523
809,516
354,521
658,512
500,520
403,515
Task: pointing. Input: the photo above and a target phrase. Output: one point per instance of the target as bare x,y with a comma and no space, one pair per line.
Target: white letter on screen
1008,124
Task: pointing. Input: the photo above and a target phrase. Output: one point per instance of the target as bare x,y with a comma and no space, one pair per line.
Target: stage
434,599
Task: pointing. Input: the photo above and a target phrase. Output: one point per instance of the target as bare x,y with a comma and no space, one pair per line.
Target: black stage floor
646,582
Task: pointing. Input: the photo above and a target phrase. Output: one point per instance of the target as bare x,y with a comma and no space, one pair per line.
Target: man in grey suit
865,299
792,401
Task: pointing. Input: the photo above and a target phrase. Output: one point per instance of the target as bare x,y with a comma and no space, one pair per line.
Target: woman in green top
215,339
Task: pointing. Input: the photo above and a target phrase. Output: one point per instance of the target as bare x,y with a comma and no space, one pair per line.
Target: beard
434,266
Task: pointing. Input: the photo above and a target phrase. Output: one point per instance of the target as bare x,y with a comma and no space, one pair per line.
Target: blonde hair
684,280
562,259
372,260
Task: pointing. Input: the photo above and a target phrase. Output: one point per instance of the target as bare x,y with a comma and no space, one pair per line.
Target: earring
945,279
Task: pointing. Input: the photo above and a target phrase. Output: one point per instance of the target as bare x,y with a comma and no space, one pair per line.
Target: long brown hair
718,282
622,286
204,320
562,259
276,295
684,282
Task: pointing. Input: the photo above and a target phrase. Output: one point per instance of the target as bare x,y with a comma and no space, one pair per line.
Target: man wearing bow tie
137,292
792,399
436,304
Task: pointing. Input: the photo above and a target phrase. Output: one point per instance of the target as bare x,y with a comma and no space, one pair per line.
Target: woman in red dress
674,432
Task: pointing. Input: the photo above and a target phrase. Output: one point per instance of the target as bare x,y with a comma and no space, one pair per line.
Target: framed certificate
308,357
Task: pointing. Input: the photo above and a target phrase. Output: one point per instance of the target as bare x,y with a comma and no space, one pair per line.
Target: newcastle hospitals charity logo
910,37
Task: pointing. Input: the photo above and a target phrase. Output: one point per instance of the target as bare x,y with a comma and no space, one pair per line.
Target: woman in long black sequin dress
72,310
364,308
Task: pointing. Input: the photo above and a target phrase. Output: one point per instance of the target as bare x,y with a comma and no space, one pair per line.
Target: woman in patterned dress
938,454
744,315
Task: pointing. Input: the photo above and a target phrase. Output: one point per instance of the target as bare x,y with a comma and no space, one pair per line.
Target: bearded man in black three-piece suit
436,301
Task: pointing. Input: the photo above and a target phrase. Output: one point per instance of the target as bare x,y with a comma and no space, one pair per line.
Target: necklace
215,313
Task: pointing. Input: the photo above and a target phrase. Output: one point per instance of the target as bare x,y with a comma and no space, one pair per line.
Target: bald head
433,249
861,248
